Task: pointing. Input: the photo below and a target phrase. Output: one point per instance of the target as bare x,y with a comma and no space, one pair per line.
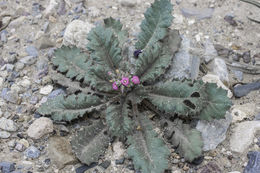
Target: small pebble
247,57
32,152
32,51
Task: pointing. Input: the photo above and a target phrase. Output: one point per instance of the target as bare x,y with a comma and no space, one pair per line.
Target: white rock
4,134
234,172
220,69
211,78
25,82
118,149
51,8
76,33
239,112
1,82
7,125
243,135
46,90
178,19
40,127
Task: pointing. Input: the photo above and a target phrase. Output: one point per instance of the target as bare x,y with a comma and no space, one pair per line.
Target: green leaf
183,98
158,19
204,101
216,103
103,45
72,62
188,141
116,25
148,151
78,65
63,108
117,119
90,142
153,61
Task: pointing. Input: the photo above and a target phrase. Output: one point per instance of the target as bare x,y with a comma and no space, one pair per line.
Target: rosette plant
125,90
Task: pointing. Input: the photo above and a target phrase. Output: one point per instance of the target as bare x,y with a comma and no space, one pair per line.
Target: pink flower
135,80
109,73
125,81
114,86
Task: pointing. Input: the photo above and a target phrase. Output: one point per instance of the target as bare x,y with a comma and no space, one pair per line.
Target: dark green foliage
103,45
118,121
69,108
90,142
122,35
103,79
158,19
187,141
147,150
216,103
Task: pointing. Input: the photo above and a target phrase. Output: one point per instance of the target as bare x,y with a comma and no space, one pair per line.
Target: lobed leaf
188,142
117,119
148,151
78,65
153,61
215,104
203,100
72,62
158,19
103,45
90,142
117,26
63,108
183,98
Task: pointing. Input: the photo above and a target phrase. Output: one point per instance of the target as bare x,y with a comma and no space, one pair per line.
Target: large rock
4,134
213,132
60,152
181,65
243,135
76,33
7,125
240,112
40,127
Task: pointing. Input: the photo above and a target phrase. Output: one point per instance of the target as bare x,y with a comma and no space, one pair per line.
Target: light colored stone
76,33
211,78
4,134
234,172
40,127
210,51
240,112
213,132
1,82
243,135
118,149
7,125
24,142
220,69
46,90
60,152
94,12
26,83
51,8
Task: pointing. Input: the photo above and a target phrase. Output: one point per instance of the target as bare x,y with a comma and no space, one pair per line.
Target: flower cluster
123,80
